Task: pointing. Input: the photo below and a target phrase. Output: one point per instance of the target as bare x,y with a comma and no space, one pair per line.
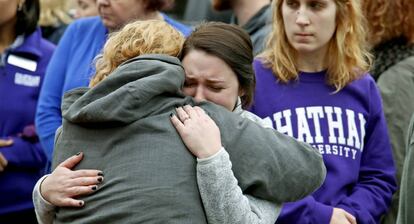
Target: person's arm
45,211
396,86
267,163
308,210
371,195
62,186
34,157
48,113
223,200
405,214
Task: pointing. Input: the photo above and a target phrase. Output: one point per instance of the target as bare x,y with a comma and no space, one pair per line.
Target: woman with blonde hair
72,63
54,18
391,36
312,83
123,123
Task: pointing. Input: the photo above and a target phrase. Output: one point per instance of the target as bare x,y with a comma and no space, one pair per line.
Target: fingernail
99,179
100,174
94,188
78,153
81,203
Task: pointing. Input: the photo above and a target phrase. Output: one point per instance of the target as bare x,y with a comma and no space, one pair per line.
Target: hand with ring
198,131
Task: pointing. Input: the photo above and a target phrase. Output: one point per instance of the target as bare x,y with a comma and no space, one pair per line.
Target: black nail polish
100,174
78,153
94,188
99,179
171,114
81,203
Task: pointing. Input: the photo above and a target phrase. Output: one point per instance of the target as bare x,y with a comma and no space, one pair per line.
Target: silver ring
186,118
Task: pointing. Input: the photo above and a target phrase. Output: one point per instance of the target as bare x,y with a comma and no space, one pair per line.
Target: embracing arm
223,200
268,164
62,186
45,211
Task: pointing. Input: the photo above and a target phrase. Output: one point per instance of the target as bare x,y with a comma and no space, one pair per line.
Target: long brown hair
231,44
348,53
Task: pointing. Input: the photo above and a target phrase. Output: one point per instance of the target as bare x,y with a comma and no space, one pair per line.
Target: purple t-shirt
348,128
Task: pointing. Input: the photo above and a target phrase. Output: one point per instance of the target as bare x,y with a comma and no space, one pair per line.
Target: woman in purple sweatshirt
312,83
24,55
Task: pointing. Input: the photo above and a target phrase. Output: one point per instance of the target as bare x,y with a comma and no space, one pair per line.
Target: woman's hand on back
63,185
198,131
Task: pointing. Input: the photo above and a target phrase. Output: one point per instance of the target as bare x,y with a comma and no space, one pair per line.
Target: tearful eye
216,88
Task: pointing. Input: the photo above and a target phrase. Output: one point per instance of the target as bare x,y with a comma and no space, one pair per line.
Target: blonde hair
53,12
389,19
137,38
348,59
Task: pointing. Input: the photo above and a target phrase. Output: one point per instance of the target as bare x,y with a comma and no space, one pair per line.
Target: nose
302,18
199,95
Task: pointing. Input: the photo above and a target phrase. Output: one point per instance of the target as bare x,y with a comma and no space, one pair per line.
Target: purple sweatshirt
348,128
22,68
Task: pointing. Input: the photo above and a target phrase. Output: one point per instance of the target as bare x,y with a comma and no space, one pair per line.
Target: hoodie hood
123,97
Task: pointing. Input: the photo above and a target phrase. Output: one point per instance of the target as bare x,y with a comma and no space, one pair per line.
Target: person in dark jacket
405,209
24,55
392,41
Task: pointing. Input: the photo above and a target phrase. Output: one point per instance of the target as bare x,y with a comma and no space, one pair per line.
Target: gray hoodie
122,125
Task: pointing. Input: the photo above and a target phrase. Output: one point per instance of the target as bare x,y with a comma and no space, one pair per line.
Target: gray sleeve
405,214
45,212
266,163
223,199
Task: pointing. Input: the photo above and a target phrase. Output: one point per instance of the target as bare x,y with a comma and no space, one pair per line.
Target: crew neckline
312,76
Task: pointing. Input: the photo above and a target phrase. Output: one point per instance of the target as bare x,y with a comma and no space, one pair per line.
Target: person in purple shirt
23,59
312,84
72,63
